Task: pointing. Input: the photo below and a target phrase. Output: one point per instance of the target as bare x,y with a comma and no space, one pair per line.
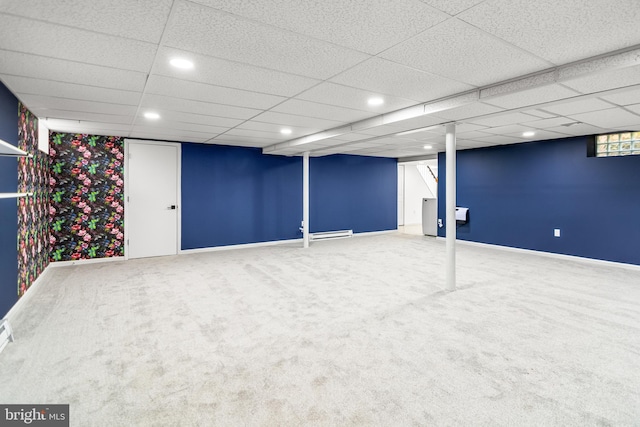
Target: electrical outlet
556,232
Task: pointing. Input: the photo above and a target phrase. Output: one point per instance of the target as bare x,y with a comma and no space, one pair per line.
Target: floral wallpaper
33,210
87,196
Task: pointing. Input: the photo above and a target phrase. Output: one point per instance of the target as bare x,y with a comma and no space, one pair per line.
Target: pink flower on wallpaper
119,183
119,209
52,210
119,236
119,156
76,142
87,237
81,232
52,240
87,154
82,149
114,177
116,163
117,189
84,245
87,182
82,176
87,209
52,152
52,182
84,162
85,190
81,205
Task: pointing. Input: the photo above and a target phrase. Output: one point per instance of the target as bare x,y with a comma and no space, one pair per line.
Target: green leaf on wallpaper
57,197
92,141
92,224
57,139
92,196
57,226
57,255
57,168
92,169
92,251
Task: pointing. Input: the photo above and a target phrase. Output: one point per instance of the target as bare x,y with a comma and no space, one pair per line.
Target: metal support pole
451,206
305,199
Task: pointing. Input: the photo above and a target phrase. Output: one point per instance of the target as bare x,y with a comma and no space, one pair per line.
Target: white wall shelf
12,195
7,149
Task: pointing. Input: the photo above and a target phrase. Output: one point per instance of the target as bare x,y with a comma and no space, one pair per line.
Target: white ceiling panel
629,97
366,25
539,135
469,110
121,17
348,97
321,111
31,86
549,123
539,113
385,77
245,141
150,101
507,130
578,129
461,52
560,31
272,136
533,96
295,120
192,118
52,69
41,38
452,7
164,136
39,101
232,74
181,126
500,139
503,119
138,129
606,80
611,118
178,88
275,129
207,31
81,116
634,108
72,126
576,107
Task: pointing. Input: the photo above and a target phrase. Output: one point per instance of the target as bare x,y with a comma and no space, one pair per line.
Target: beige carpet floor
351,332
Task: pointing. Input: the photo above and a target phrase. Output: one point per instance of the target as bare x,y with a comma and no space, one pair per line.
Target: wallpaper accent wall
87,196
33,211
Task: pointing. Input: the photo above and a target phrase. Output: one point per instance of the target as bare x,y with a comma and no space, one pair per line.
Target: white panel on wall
43,137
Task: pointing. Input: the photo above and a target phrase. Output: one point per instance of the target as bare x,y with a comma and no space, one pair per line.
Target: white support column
451,206
305,199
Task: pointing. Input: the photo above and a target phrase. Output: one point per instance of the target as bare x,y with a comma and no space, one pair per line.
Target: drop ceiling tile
121,17
540,114
207,31
560,31
73,126
549,123
151,102
208,93
463,128
246,141
275,129
606,80
321,111
349,137
271,136
576,107
38,101
463,53
295,120
47,113
452,7
419,122
356,24
39,67
31,86
380,130
171,132
499,140
540,135
198,119
41,38
633,108
576,130
348,97
533,96
503,119
471,135
232,74
181,126
161,136
611,118
385,77
508,129
469,111
628,97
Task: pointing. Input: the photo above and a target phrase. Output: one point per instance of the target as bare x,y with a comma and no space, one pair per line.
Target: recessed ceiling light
151,115
528,134
181,63
427,147
375,101
285,131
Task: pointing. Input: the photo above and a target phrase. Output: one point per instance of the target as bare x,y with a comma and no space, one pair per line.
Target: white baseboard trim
375,233
241,246
56,264
585,260
27,295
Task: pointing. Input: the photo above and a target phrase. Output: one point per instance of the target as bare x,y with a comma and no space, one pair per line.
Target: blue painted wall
517,194
236,195
353,192
8,207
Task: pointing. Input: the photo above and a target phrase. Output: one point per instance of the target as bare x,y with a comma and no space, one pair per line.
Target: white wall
400,195
415,189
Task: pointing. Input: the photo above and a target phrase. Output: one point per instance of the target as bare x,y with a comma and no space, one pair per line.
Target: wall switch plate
556,232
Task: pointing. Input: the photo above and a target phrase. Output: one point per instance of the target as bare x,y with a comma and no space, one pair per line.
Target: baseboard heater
331,235
6,335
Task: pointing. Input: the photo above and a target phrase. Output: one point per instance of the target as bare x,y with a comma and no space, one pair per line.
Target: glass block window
618,144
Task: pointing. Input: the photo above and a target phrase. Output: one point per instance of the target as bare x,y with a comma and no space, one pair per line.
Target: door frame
178,145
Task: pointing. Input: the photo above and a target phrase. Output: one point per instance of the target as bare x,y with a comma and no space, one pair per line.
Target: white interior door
152,199
400,195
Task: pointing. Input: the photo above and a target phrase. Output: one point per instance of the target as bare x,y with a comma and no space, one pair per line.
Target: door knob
172,207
